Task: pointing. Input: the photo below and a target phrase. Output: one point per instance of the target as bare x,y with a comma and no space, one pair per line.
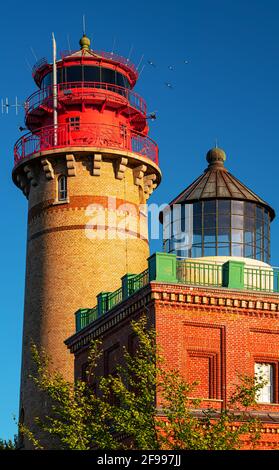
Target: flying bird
150,62
169,85
171,67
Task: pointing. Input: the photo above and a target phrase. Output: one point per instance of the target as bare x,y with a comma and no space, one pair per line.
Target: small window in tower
62,188
123,131
264,373
74,123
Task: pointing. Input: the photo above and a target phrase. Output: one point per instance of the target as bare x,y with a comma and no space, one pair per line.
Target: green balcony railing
261,279
85,316
114,298
108,300
205,274
138,281
167,268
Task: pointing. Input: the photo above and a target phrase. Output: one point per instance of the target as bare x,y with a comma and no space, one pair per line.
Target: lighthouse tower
87,167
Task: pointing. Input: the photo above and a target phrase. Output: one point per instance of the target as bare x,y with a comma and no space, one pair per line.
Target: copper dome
217,183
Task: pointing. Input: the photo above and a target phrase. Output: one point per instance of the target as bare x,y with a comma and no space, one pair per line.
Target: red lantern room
96,105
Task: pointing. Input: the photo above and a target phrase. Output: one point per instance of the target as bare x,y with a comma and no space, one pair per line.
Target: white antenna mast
5,105
142,69
54,81
28,64
69,44
83,24
130,53
141,59
113,46
33,52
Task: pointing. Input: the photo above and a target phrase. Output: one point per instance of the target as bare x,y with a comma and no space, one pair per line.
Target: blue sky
228,91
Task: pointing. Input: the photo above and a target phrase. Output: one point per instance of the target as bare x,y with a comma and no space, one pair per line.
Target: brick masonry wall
65,269
209,335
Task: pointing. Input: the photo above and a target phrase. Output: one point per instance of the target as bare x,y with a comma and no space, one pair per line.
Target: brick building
215,316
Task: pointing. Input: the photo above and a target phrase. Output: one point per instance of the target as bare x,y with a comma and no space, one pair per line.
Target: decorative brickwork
209,334
67,263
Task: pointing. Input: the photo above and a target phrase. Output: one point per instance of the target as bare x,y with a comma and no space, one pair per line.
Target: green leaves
8,445
143,405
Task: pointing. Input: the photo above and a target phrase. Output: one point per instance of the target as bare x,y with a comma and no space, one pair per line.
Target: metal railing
105,55
40,63
84,90
188,272
138,281
85,316
205,274
85,135
114,298
261,279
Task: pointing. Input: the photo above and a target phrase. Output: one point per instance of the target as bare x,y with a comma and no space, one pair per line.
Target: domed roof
84,42
217,183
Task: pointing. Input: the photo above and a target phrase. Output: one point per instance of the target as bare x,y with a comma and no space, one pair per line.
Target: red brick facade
211,335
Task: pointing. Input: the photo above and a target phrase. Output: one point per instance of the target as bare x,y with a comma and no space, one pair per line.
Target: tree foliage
10,444
141,406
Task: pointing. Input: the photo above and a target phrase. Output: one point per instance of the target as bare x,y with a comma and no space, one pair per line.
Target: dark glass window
91,74
228,228
108,76
249,209
224,220
210,250
197,251
126,82
120,79
209,207
209,235
224,235
237,235
237,221
74,123
209,220
62,188
74,74
197,239
47,81
223,250
224,207
197,208
237,250
248,251
237,207
259,213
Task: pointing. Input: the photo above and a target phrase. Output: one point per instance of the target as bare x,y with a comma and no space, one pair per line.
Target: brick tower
87,168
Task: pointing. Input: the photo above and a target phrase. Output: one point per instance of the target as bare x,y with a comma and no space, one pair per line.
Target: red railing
106,55
85,135
38,65
44,97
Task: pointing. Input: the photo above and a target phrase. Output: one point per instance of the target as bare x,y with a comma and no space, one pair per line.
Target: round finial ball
216,155
84,42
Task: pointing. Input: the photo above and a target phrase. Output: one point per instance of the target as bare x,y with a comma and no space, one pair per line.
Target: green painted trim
162,267
127,285
233,274
102,303
81,318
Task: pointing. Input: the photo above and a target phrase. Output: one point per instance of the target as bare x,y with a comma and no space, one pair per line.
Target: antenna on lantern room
54,85
83,24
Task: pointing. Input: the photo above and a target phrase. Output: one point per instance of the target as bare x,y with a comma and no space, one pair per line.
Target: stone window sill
56,203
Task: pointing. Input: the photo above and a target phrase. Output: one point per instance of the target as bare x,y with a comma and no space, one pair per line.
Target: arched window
62,188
